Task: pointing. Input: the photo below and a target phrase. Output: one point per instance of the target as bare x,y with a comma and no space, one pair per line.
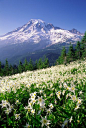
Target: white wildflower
33,111
44,121
27,125
65,123
70,119
17,116
8,110
51,106
63,92
77,106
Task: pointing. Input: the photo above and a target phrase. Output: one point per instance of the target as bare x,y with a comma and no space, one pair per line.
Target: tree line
79,52
6,69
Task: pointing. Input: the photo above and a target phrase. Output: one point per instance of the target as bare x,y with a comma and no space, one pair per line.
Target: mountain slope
75,31
37,30
34,35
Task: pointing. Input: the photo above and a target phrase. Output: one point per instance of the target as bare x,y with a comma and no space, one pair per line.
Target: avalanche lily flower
44,121
41,101
58,96
39,112
55,101
17,101
73,97
80,92
63,92
77,106
27,125
17,116
65,85
33,111
8,110
48,111
58,93
51,94
79,101
70,119
51,106
41,91
4,103
65,123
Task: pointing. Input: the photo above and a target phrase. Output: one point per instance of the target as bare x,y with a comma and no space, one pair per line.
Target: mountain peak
37,30
35,21
39,25
34,35
75,31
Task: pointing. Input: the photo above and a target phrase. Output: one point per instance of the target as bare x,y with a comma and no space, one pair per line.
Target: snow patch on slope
37,30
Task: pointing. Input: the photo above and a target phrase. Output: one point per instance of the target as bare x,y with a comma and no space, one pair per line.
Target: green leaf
66,112
10,121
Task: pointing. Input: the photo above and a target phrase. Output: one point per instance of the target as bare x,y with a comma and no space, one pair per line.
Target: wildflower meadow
54,97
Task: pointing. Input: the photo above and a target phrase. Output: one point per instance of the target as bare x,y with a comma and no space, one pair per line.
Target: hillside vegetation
54,97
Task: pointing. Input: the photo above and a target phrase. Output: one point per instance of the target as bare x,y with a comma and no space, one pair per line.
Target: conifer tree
6,68
25,65
30,65
83,46
78,51
71,54
15,69
46,62
62,58
20,67
40,63
0,70
10,70
0,66
84,39
36,65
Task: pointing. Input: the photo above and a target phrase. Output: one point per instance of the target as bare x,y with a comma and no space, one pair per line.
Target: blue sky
66,14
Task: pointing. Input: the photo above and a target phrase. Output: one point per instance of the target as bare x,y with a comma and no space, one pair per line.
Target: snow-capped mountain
75,31
37,30
34,35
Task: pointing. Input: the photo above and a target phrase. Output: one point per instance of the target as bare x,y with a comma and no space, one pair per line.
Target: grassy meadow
54,97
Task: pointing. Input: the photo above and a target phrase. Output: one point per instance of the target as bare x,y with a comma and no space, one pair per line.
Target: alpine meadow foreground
54,97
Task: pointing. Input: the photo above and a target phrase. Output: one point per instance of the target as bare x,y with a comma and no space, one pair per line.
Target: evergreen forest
73,54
